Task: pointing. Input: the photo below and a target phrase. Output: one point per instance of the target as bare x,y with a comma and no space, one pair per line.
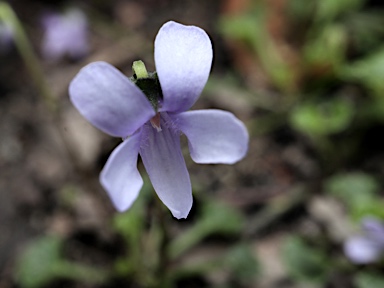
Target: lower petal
214,136
165,165
120,177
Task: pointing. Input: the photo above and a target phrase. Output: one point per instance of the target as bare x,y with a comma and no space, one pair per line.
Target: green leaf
41,263
358,191
242,263
320,119
216,218
330,9
250,28
303,262
366,30
37,265
369,280
328,47
369,71
301,9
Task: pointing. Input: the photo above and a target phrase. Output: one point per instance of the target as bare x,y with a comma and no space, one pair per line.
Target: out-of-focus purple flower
6,37
369,246
115,105
65,35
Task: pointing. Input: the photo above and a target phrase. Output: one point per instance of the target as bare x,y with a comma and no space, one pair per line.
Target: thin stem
162,269
25,49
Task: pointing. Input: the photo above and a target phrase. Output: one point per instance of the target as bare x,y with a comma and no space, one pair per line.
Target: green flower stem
25,49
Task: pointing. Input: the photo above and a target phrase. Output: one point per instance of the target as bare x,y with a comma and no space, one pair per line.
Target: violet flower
152,126
65,35
369,246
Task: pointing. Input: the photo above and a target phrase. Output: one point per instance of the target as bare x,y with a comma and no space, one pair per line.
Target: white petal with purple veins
120,177
214,136
109,100
183,57
165,165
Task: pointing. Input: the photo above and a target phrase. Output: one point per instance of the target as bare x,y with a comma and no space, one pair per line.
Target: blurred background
305,207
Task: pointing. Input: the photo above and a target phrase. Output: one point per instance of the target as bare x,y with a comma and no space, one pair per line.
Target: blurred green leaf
328,48
368,71
301,9
250,28
358,191
41,263
241,261
319,119
369,280
37,265
330,9
365,30
216,218
303,262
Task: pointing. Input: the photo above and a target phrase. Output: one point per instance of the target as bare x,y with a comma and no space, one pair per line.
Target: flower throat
150,85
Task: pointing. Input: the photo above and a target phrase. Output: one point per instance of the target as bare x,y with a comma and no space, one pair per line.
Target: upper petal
120,177
109,100
165,165
214,136
183,57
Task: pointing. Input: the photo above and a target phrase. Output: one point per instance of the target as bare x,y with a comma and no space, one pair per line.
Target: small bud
139,69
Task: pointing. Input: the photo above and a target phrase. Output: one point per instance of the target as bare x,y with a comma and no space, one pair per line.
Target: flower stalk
26,52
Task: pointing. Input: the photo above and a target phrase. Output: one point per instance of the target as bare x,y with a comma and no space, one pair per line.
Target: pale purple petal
109,100
65,34
362,250
183,57
373,229
165,165
214,136
6,37
120,177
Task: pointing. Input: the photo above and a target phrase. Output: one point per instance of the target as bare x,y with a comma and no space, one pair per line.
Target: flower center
147,82
155,122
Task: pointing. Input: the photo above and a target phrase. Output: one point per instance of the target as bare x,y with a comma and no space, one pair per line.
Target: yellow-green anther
139,69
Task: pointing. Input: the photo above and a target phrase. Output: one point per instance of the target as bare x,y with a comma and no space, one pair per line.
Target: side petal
362,250
165,165
120,177
109,100
214,136
183,57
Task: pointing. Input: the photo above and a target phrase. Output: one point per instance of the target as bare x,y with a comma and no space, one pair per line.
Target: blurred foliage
245,268
305,263
338,98
38,263
250,28
324,118
42,262
369,280
359,192
215,218
329,90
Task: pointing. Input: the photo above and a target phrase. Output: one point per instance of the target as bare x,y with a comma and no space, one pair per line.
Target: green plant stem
79,272
163,264
26,52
